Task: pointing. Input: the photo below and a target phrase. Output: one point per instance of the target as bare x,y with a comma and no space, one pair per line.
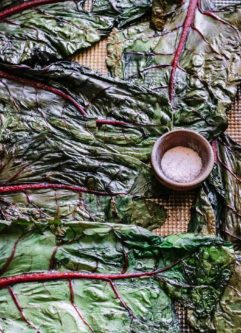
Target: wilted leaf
222,194
67,128
123,11
44,30
228,315
108,278
194,60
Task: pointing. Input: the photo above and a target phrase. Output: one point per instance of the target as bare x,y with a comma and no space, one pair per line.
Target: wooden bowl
186,138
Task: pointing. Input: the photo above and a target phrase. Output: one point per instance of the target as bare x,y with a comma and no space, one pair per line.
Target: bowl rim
197,180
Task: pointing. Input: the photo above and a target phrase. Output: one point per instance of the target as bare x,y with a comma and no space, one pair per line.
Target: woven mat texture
179,204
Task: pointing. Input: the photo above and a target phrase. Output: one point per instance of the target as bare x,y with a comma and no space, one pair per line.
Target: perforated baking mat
178,205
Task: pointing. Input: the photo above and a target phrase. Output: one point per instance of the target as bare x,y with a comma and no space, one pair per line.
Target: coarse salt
181,164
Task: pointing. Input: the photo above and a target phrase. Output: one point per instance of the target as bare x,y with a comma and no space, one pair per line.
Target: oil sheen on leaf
43,30
186,61
72,139
126,279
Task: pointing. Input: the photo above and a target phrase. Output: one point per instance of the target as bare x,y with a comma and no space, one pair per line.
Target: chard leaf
67,129
222,193
107,278
194,61
228,314
229,159
207,209
124,11
45,30
49,31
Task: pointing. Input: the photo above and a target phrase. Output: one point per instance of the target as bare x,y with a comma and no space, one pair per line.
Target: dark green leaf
221,194
194,60
228,314
44,32
207,209
229,159
123,11
49,31
97,136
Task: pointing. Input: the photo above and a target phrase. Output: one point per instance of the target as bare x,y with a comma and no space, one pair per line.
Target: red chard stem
42,86
184,34
40,186
52,276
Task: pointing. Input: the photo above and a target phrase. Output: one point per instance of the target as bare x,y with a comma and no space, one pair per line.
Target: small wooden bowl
186,138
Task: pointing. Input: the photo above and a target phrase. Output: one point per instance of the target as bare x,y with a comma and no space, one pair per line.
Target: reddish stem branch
148,53
223,164
170,31
204,38
160,87
71,290
236,290
24,6
232,149
125,261
118,296
155,66
183,38
52,259
234,210
40,186
226,168
42,86
19,172
122,123
215,150
10,258
111,122
214,16
18,306
232,235
52,276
